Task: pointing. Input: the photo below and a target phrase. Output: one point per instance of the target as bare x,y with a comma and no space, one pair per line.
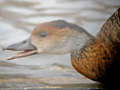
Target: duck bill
25,46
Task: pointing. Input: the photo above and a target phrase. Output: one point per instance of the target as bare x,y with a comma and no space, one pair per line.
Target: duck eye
43,34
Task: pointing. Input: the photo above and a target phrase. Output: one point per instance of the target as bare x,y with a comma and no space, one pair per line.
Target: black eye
43,34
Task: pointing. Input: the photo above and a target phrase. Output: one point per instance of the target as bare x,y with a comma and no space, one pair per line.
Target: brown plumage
100,61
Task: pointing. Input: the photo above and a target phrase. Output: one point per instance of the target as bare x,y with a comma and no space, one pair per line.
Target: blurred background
19,17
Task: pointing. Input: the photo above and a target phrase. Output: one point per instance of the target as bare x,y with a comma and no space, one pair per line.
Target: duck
97,58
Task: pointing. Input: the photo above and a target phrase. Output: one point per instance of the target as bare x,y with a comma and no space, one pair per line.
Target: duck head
55,37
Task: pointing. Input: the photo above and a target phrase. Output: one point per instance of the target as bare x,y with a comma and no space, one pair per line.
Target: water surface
17,20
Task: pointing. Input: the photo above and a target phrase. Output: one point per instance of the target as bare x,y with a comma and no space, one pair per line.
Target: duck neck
79,60
81,42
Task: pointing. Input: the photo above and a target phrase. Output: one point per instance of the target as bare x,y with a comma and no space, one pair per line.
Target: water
17,20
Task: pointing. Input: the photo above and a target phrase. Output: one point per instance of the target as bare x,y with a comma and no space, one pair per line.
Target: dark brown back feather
100,61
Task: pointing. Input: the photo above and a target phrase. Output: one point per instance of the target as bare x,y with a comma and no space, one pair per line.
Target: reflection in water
18,18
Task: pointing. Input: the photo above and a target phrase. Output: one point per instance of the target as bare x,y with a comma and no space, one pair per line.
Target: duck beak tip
25,46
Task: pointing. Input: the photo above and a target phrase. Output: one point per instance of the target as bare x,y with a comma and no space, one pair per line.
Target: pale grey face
56,37
53,41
